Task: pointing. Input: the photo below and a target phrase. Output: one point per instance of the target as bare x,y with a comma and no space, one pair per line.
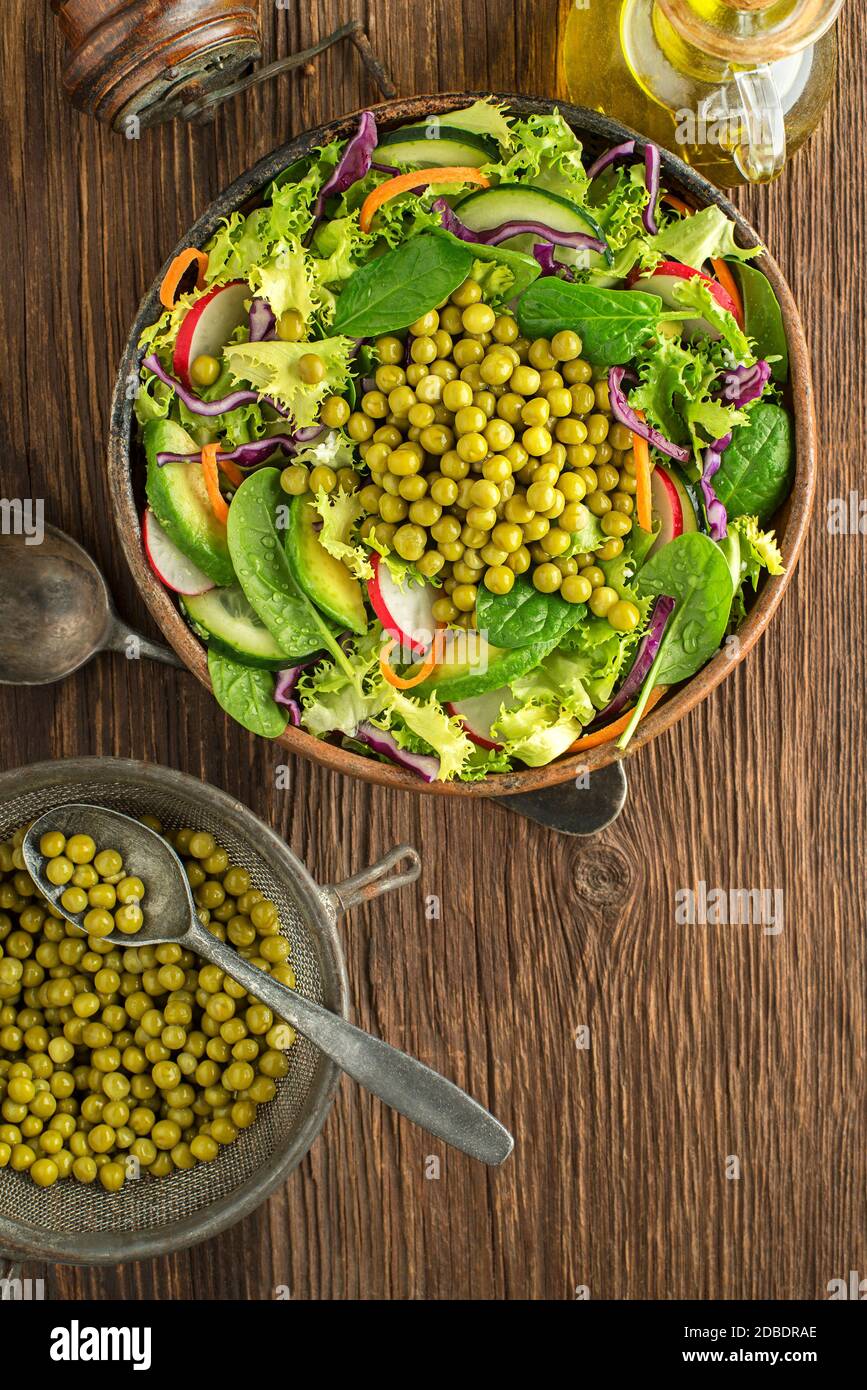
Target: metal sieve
82,1224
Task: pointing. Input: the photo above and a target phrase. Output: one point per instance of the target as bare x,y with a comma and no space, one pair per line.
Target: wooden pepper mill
134,63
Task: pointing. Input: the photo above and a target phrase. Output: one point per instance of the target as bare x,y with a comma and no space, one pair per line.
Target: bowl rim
792,521
21,1240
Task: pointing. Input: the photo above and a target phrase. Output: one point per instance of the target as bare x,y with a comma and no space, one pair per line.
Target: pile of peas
95,884
109,1054
487,453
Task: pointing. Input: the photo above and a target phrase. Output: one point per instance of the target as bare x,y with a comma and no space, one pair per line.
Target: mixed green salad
461,448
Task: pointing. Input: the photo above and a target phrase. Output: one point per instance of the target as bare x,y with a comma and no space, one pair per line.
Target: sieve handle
372,882
405,1084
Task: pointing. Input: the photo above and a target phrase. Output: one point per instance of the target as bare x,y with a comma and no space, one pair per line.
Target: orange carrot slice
231,470
176,272
402,183
420,673
212,482
643,496
720,269
614,730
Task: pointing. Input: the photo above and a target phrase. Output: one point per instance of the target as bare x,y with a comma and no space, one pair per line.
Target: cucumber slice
231,627
516,202
437,146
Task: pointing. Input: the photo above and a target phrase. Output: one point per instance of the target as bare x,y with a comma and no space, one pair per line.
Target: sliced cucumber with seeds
230,626
516,202
437,146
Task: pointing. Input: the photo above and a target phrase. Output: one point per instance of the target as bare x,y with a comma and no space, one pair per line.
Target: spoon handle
125,639
405,1084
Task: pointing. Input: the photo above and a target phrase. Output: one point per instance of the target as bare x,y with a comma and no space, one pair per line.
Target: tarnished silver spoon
170,915
57,612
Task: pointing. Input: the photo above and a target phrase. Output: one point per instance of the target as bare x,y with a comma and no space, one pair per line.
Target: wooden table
706,1042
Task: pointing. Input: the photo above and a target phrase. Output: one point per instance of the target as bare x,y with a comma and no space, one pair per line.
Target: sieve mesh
151,1203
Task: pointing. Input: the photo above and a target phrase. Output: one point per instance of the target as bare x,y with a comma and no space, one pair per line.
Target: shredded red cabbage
426,765
622,411
263,324
287,682
195,403
245,455
717,515
543,251
385,169
612,156
452,223
644,659
740,385
652,170
354,163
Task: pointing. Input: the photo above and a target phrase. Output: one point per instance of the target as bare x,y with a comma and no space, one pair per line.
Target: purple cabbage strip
740,385
287,681
452,223
716,513
622,411
245,455
427,766
354,163
263,324
612,156
644,659
543,251
195,403
385,169
652,169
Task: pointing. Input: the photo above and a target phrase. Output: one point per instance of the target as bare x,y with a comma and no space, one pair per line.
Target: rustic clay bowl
127,469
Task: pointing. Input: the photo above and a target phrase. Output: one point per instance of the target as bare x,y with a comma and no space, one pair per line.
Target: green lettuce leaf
708,234
340,512
272,369
536,734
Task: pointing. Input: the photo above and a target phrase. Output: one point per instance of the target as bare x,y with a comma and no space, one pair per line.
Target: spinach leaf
612,324
763,319
247,694
756,471
693,571
260,562
525,616
394,290
525,269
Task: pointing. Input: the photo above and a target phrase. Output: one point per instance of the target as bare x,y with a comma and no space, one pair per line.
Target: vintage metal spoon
170,915
57,612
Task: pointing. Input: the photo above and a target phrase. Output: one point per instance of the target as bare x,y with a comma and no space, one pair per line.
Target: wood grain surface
705,1041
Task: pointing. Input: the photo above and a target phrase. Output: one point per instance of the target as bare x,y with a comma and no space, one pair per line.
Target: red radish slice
662,282
667,507
169,564
405,613
209,325
478,712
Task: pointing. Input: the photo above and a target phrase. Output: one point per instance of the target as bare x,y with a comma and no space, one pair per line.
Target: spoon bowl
170,915
57,611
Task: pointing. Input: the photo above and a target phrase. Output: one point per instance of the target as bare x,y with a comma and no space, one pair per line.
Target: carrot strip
730,284
643,496
231,470
176,272
432,659
402,183
212,482
720,269
613,730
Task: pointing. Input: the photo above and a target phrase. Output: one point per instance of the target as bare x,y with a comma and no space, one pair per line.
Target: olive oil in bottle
732,86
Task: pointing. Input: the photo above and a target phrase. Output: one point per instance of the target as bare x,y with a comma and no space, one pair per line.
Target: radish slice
169,563
405,613
666,507
478,712
662,283
208,326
